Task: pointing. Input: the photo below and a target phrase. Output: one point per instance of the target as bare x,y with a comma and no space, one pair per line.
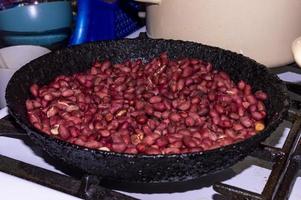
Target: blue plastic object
44,23
37,17
105,20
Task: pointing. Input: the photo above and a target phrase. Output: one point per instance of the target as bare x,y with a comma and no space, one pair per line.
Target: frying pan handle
9,128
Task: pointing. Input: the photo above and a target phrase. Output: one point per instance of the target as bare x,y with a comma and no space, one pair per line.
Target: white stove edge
250,176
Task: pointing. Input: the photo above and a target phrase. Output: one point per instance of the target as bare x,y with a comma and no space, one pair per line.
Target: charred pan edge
145,168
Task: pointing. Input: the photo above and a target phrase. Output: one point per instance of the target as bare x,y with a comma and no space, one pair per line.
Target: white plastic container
14,58
260,29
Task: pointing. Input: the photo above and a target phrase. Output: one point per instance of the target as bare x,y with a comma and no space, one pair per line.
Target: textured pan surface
143,168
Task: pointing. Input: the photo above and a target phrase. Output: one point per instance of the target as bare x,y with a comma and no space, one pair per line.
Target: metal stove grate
286,164
286,160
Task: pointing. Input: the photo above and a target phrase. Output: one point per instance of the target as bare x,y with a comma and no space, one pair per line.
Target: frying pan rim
145,156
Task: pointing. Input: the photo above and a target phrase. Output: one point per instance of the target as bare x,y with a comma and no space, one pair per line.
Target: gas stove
271,172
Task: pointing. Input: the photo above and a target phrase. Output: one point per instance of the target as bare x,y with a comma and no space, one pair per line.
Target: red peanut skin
159,107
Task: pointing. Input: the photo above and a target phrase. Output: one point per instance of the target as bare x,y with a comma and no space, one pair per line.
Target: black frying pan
144,168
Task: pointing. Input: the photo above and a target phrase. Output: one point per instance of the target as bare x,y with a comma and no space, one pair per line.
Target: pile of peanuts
160,107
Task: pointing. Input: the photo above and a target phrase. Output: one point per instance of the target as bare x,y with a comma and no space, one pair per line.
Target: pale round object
14,58
296,48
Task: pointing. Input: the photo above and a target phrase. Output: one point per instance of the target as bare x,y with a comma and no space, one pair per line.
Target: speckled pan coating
144,168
